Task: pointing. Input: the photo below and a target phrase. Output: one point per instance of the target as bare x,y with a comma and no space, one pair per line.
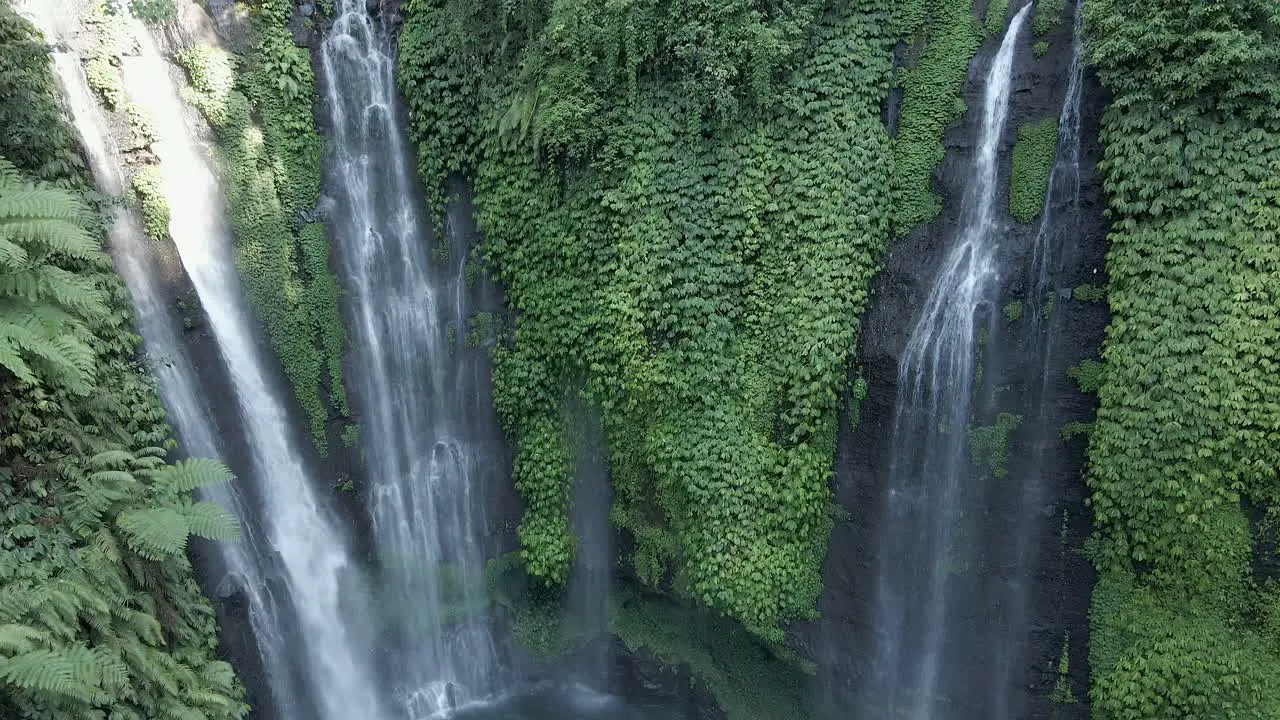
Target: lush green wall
99,611
1188,432
686,225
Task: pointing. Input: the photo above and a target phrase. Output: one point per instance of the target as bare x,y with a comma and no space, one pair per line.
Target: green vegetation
260,106
1013,311
1033,156
1041,48
1062,692
153,12
748,681
931,101
1049,15
703,278
1090,293
99,612
989,444
146,187
1189,402
1075,429
1089,374
997,16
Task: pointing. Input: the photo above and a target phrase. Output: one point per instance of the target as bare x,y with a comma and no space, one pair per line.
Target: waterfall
1051,254
925,609
179,386
312,554
424,434
590,585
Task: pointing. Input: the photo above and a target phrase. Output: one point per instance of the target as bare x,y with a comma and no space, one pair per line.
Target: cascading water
1051,254
325,597
926,612
178,387
590,585
425,436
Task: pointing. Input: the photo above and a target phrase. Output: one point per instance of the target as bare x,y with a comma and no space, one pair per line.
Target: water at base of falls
932,604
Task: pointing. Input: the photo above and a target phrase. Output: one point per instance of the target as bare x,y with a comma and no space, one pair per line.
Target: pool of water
574,702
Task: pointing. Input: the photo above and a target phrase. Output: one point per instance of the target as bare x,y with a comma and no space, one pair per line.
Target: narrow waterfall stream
313,554
425,441
1052,253
179,388
929,646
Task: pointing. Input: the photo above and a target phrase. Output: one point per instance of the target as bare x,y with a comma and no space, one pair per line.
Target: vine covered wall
260,106
1187,438
691,248
99,610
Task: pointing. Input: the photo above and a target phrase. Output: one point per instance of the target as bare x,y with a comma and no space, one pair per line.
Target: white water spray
313,554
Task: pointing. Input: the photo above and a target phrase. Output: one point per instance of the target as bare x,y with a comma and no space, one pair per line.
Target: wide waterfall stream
324,589
930,647
179,388
426,442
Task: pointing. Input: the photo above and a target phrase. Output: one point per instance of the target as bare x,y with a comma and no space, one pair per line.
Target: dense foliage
1033,156
705,278
260,106
932,85
1189,423
99,613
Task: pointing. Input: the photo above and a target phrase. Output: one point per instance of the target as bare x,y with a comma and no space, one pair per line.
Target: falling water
1051,253
590,585
178,386
311,552
923,608
425,440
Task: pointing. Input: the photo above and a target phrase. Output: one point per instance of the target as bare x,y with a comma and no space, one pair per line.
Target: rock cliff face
1062,580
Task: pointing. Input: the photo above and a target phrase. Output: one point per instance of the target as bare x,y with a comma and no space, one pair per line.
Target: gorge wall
713,231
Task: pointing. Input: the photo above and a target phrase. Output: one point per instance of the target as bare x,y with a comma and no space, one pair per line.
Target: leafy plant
1089,374
1181,439
1090,293
699,279
989,444
1013,311
262,115
1033,156
153,12
147,188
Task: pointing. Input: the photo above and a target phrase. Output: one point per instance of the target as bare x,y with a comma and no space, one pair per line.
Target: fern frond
212,522
187,475
16,639
111,460
51,284
155,533
63,671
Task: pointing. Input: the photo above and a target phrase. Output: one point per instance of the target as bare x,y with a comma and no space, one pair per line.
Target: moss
1013,311
149,193
748,680
989,444
931,100
1033,155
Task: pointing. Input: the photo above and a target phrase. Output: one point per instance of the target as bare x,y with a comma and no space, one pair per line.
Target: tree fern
44,308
